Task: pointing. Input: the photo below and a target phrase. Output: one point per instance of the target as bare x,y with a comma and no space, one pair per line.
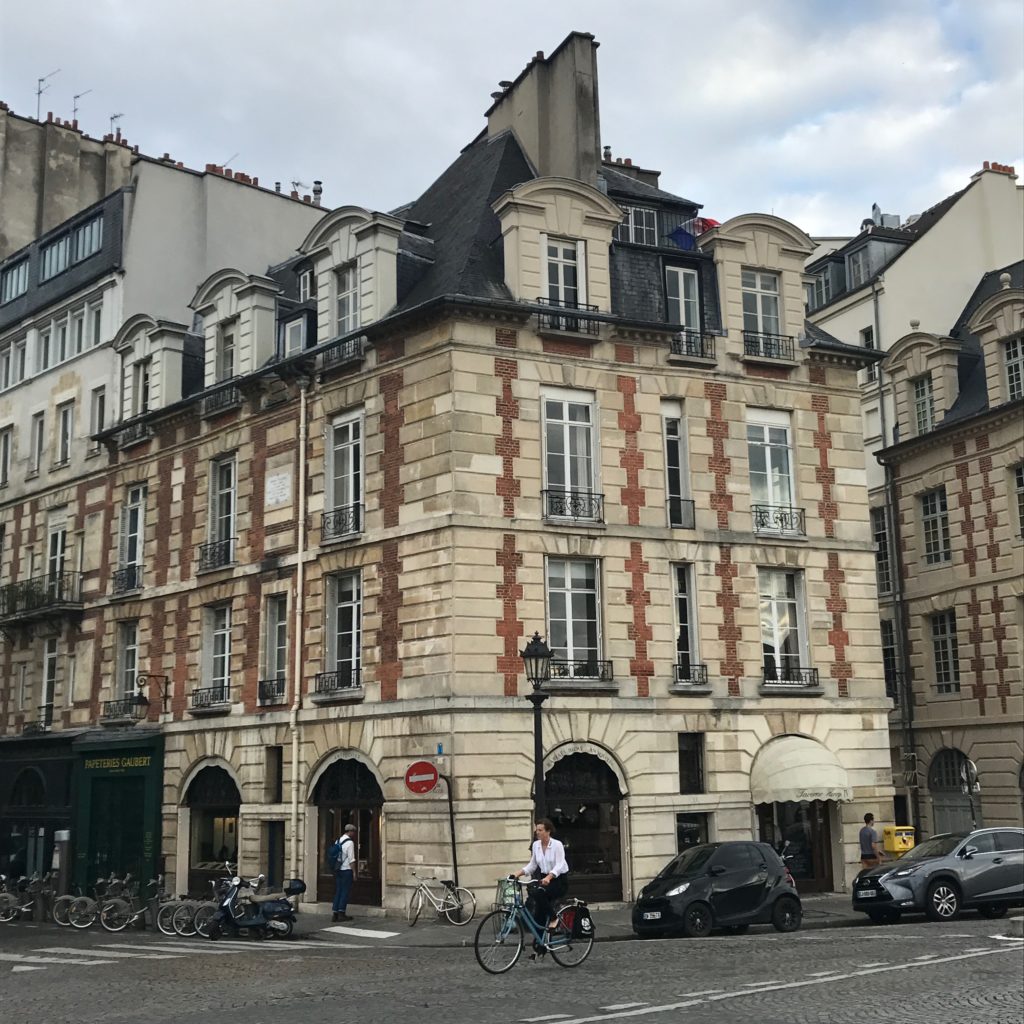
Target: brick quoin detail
959,449
182,638
157,652
728,632
838,637
507,487
164,491
975,639
251,651
987,494
506,337
566,347
817,375
999,635
625,354
768,372
824,473
718,431
389,669
638,597
392,457
963,472
508,627
188,512
631,459
390,350
258,475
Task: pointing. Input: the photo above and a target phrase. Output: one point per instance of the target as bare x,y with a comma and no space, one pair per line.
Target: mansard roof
621,184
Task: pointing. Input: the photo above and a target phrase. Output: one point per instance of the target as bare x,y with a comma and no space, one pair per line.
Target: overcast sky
812,109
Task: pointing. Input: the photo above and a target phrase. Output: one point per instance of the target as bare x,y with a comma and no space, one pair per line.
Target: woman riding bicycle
547,864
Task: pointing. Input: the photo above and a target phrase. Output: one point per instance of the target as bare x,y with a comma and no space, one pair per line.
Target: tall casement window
44,349
683,298
883,570
14,282
88,238
56,554
347,284
97,414
565,279
275,656
574,619
691,762
867,340
569,458
924,404
5,367
96,324
132,537
19,366
688,670
945,652
1013,357
219,550
6,450
78,332
858,264
889,658
62,341
128,657
140,387
225,353
54,258
1018,482
783,638
65,432
24,687
307,285
218,646
935,527
344,631
344,478
640,225
770,454
38,441
677,469
760,302
49,682
293,336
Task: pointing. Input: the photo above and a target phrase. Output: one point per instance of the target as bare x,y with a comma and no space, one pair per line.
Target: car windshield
939,846
690,860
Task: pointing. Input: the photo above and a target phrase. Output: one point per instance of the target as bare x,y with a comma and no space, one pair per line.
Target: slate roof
816,338
620,184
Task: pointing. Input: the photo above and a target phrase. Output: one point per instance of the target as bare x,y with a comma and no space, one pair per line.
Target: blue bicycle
499,939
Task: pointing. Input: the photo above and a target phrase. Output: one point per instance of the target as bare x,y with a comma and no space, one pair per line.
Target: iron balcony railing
227,396
346,350
42,722
216,554
690,674
779,519
693,345
205,697
271,691
127,709
133,434
681,513
578,505
790,677
125,579
894,684
342,521
582,668
768,346
325,684
40,595
565,321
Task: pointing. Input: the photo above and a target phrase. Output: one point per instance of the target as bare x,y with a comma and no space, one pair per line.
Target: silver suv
945,874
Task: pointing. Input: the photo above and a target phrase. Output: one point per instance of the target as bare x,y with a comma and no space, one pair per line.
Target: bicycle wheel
61,907
415,906
182,919
165,917
565,950
82,912
499,941
115,914
9,908
203,918
459,906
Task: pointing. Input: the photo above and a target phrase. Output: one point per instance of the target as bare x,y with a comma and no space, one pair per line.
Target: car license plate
865,894
652,915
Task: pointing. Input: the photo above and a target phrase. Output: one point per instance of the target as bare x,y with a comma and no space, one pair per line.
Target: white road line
128,956
622,1006
26,958
927,956
821,974
706,992
538,1020
1007,938
360,933
880,963
666,1007
758,984
22,967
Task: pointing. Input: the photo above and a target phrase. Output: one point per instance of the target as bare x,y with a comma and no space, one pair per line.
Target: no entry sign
420,777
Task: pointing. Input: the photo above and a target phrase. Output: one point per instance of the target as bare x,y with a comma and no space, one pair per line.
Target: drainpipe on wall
293,718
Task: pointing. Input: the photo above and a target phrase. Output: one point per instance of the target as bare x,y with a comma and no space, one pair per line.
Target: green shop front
118,795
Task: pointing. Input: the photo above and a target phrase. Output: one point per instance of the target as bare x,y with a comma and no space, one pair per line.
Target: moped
272,915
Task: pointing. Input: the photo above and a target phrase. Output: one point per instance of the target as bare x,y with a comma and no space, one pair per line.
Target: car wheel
697,921
943,901
992,911
786,914
884,916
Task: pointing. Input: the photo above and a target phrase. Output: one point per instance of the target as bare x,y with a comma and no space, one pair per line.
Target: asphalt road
915,973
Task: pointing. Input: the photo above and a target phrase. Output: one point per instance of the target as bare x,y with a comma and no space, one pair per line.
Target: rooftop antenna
296,185
75,99
40,89
114,118
227,163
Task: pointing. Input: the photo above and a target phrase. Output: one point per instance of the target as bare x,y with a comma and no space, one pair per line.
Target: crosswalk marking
361,933
160,955
622,1006
28,958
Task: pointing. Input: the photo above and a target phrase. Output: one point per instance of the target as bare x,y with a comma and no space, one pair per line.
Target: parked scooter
269,916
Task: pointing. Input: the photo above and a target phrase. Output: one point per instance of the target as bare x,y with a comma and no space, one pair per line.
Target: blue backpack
334,855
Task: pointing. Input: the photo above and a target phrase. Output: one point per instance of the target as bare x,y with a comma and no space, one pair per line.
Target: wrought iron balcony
690,674
271,691
125,579
768,346
227,396
347,350
343,521
328,686
125,711
41,597
894,684
789,677
210,699
216,554
133,434
692,345
577,505
779,519
42,722
681,513
565,321
582,668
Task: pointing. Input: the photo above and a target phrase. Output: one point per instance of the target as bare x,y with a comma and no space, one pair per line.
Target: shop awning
797,768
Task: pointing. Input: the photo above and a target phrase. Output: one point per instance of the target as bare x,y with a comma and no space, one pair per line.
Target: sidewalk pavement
612,921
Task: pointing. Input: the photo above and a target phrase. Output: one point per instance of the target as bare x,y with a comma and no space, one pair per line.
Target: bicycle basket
505,896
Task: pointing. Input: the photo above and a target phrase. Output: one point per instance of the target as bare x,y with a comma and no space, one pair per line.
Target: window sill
590,524
688,690
581,686
32,474
790,691
126,594
211,710
775,361
679,359
94,453
340,538
772,536
553,334
349,695
203,570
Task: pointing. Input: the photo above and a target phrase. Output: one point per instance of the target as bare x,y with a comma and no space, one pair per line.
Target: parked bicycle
455,902
84,909
499,939
22,895
120,911
62,906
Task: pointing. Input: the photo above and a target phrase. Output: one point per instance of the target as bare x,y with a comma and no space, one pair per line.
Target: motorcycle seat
267,897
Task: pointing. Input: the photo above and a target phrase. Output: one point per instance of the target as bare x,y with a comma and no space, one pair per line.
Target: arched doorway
23,847
953,809
213,800
583,798
347,792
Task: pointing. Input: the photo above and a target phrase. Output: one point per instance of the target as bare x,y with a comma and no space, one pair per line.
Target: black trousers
544,897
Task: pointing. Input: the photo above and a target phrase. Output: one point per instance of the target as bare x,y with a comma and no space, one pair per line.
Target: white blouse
550,861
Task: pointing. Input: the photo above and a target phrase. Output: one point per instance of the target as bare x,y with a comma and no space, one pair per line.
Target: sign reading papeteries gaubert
113,764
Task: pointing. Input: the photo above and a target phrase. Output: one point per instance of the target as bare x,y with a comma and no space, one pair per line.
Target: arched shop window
214,801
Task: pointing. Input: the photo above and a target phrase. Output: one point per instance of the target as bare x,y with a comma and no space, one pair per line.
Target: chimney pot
255,181
227,172
277,186
307,199
74,124
628,162
618,159
539,55
496,95
607,154
914,324
506,84
294,194
49,116
985,166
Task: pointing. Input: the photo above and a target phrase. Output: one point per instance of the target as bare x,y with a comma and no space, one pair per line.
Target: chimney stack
318,191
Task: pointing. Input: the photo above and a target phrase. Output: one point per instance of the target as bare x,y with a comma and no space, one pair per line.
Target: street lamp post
537,662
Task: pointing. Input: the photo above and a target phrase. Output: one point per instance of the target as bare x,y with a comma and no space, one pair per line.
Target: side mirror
716,869
968,852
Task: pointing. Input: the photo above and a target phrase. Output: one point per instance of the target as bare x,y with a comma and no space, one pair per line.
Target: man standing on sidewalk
870,851
344,873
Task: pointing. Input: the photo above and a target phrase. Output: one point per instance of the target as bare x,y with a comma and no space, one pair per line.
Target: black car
719,885
983,869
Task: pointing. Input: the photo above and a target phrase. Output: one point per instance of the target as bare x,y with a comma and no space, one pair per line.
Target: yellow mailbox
897,839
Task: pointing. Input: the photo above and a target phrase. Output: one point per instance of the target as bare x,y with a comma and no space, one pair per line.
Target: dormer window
88,238
1013,354
858,267
348,299
565,286
760,302
924,404
307,285
55,258
682,297
294,336
640,225
14,282
821,290
225,367
140,388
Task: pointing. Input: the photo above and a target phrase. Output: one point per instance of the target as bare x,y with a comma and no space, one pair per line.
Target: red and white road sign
421,777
